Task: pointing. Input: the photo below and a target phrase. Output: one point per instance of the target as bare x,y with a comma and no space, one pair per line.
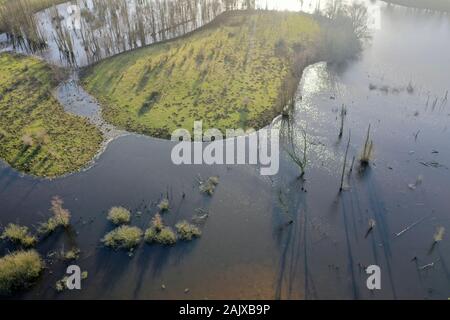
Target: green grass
228,74
36,135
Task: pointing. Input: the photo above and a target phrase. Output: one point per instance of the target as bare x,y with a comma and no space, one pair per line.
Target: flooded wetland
364,150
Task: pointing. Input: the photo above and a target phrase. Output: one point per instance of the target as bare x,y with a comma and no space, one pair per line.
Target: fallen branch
410,227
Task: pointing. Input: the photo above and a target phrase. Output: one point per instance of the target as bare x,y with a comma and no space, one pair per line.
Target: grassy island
36,135
233,73
434,5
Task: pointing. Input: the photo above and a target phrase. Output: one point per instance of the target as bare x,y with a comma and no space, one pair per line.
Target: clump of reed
367,152
209,186
437,237
70,255
60,218
159,233
439,234
18,235
187,231
164,205
19,270
123,237
119,215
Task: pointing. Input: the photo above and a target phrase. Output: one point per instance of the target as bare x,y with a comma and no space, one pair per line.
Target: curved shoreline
418,6
76,100
110,133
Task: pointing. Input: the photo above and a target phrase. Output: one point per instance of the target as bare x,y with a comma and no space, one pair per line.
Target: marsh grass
164,205
439,234
159,233
209,186
367,151
187,231
18,235
71,255
60,218
119,215
437,238
19,270
123,237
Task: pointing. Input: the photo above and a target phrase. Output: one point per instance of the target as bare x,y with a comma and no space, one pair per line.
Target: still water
248,248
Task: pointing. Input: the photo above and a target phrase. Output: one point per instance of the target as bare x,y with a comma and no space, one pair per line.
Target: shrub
19,270
119,215
61,217
18,235
187,231
165,236
123,237
158,233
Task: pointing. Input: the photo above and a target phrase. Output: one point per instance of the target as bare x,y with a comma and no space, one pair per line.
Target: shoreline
429,5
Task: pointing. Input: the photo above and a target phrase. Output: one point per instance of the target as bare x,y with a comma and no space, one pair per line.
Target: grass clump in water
18,235
119,215
159,233
187,231
60,218
19,270
71,255
367,152
439,234
123,237
209,186
164,205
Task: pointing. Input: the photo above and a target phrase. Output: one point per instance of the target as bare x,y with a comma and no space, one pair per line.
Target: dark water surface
247,250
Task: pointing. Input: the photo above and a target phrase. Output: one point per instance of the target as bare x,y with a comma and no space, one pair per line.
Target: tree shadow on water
155,258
